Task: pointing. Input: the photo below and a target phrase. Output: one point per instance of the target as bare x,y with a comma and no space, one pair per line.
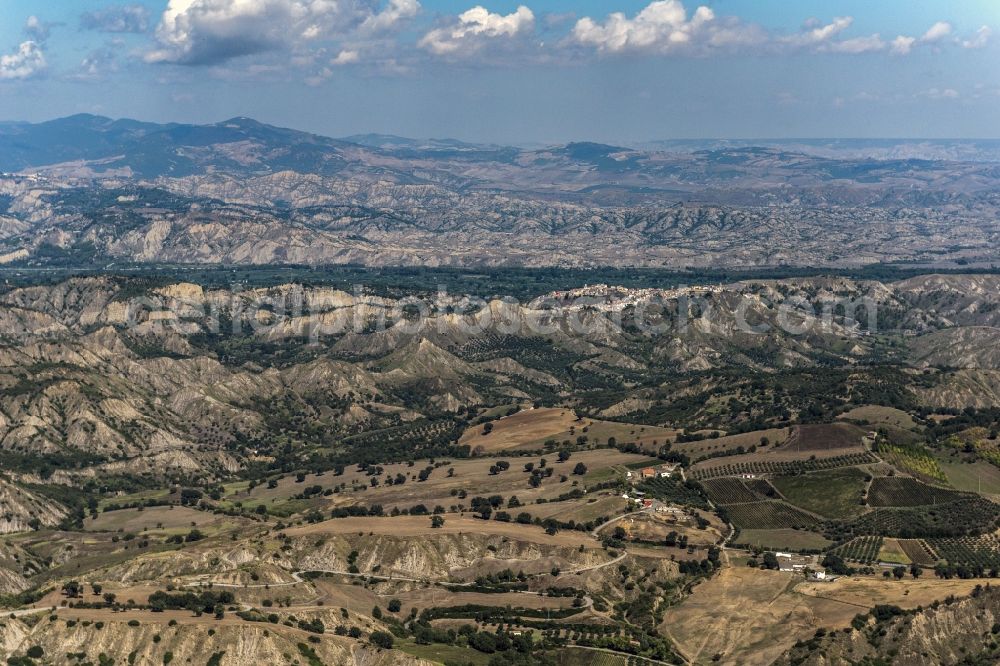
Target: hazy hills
90,189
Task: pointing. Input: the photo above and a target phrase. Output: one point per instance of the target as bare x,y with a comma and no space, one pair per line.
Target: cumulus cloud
205,32
937,32
816,33
395,13
663,26
902,45
37,30
117,19
856,45
27,61
346,57
978,40
475,28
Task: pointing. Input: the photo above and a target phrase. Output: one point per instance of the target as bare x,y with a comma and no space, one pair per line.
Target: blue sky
535,71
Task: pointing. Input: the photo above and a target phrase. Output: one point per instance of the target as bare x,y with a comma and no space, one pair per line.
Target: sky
535,71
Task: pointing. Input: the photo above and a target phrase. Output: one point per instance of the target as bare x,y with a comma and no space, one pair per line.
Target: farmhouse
667,470
647,473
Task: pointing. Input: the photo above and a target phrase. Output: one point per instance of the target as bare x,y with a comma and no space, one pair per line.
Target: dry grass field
419,526
469,475
654,527
869,591
878,415
756,615
159,519
530,428
525,429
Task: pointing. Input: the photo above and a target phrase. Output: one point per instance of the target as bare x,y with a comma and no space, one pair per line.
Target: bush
381,639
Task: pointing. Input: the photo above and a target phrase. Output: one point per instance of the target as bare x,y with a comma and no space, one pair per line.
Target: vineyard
918,551
823,437
863,549
771,515
674,490
906,491
980,552
778,467
964,517
730,490
912,459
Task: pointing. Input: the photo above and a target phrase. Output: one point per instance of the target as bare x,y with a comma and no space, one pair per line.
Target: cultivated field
835,493
974,477
704,447
780,461
824,438
905,491
768,516
782,539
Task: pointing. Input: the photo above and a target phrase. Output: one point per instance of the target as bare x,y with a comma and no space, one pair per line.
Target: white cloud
662,27
855,45
475,28
118,19
99,62
200,32
346,57
940,93
936,32
24,63
979,40
37,30
902,45
396,12
816,33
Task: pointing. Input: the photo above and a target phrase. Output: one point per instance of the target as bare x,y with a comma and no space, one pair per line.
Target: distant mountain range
244,191
152,149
